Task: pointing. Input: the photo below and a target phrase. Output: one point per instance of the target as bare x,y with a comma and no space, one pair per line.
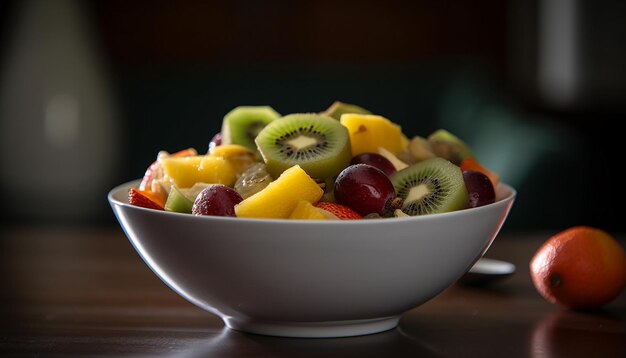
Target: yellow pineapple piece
186,171
368,132
280,197
228,151
306,211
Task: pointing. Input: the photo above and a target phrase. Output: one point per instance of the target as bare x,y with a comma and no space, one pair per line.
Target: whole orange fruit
581,267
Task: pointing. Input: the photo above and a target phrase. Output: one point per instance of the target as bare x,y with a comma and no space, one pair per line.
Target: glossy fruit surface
144,199
368,132
376,160
318,144
280,197
479,188
365,189
581,267
216,200
215,141
470,163
304,210
340,211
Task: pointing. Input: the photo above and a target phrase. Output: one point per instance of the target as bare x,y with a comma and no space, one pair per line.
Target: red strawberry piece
340,211
142,198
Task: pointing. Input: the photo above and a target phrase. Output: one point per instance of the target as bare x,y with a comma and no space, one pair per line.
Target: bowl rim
506,192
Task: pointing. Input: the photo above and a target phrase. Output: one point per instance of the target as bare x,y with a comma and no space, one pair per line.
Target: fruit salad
344,163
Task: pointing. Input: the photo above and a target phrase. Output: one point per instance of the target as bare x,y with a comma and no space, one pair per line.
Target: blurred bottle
59,135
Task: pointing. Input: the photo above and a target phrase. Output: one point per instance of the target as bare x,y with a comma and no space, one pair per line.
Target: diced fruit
329,190
366,190
306,211
395,161
281,196
215,141
420,149
479,188
153,177
231,151
448,146
431,186
252,180
376,160
144,199
368,132
470,163
342,212
318,144
243,124
212,169
400,214
192,193
216,200
339,108
178,202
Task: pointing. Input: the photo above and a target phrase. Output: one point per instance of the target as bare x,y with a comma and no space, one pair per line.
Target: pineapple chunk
279,199
185,172
306,211
368,132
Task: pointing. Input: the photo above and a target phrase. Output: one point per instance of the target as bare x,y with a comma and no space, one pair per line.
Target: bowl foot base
326,329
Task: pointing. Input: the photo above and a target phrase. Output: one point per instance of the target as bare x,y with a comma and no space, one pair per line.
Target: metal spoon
487,270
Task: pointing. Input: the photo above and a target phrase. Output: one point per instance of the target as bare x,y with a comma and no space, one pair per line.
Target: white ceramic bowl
310,278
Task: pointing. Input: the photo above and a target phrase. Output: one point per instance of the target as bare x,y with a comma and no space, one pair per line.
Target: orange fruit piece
581,267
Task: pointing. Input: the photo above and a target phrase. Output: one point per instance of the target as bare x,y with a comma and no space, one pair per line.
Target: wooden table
86,292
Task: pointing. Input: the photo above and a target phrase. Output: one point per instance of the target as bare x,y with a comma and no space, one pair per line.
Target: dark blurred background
91,91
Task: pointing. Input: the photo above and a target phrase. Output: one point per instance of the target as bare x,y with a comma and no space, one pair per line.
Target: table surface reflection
85,292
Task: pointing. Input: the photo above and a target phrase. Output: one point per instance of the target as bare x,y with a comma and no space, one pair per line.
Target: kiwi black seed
431,186
319,144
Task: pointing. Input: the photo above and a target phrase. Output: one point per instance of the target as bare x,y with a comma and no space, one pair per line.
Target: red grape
216,200
479,187
365,189
376,160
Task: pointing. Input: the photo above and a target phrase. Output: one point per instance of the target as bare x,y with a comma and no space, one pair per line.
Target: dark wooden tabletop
86,292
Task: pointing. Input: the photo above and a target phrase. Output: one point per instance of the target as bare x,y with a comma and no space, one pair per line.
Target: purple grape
479,187
376,160
216,200
365,189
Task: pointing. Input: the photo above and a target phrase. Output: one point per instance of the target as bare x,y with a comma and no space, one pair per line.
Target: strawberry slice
143,199
340,211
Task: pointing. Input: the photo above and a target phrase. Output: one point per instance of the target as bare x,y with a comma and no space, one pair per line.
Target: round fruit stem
555,280
396,203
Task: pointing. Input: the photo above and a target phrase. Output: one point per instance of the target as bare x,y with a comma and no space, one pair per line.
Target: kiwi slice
431,186
242,124
338,108
446,145
319,144
178,202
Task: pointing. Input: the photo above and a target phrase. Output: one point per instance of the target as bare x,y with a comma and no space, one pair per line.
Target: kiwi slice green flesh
178,202
338,108
242,124
319,144
430,187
